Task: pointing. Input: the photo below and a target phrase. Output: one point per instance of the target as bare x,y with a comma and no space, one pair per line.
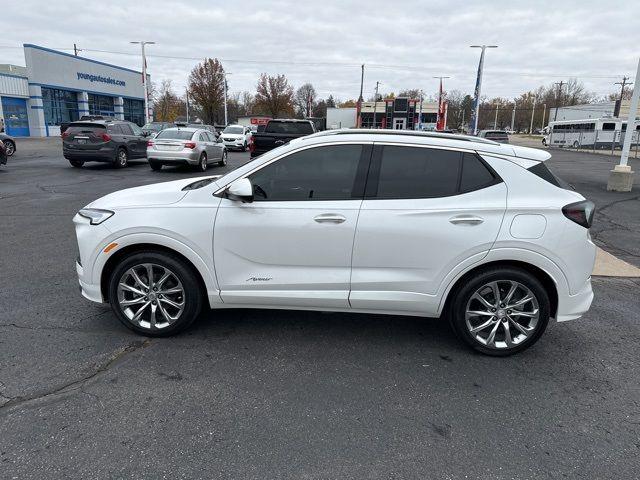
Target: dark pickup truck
278,132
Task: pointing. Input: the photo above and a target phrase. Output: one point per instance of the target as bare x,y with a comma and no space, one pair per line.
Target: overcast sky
403,44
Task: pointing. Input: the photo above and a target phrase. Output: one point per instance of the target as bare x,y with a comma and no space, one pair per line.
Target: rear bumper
174,158
103,155
571,307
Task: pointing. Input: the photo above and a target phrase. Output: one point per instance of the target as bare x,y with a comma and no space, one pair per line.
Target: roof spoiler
531,153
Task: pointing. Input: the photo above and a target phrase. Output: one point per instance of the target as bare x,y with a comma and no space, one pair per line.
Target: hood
149,195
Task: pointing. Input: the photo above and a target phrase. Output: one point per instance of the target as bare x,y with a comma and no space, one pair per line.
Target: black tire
223,162
76,163
505,277
191,296
155,165
203,162
122,158
9,147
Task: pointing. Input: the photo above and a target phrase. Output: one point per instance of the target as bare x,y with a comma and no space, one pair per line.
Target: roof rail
408,133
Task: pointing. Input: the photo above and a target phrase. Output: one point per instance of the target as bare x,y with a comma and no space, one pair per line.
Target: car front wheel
155,294
76,163
500,312
9,147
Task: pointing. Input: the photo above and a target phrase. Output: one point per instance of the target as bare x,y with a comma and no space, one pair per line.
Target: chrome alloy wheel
502,314
151,296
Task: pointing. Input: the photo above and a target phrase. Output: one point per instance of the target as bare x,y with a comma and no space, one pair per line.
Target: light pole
144,79
420,114
439,120
224,87
375,104
532,112
544,113
476,106
495,120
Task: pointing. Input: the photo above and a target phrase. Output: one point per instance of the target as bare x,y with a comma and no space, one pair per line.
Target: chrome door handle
330,218
466,220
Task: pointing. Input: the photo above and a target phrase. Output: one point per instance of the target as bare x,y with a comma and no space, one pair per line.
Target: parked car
500,136
152,128
9,144
236,137
185,146
111,141
476,232
3,154
278,132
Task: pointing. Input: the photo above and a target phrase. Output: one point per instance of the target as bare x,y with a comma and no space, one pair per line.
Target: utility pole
375,104
76,50
513,116
224,88
420,114
621,177
544,114
360,100
439,119
144,79
562,82
476,103
495,120
619,102
532,113
187,92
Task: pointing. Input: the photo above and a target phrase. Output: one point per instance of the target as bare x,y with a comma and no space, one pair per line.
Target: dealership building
392,113
56,87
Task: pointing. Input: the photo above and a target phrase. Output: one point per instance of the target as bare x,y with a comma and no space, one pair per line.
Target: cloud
402,44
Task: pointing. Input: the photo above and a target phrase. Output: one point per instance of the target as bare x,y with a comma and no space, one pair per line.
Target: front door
16,121
399,123
426,212
292,245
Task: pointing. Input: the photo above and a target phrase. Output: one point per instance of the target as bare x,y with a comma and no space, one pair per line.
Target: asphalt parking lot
262,394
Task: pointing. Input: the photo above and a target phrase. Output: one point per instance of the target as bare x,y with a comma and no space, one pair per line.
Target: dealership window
60,106
101,105
133,111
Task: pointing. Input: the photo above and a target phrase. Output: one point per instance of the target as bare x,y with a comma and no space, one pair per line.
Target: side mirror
241,190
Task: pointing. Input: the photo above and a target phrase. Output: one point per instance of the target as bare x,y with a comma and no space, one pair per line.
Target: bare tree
274,95
305,100
167,106
206,88
410,93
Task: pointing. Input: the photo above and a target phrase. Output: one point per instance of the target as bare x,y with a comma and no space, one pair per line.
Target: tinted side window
203,137
324,173
126,129
475,174
412,172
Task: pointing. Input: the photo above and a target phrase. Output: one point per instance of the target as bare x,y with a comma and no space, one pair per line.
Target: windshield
156,127
233,130
175,134
294,128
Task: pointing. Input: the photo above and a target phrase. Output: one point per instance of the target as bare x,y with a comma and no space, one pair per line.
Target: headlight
96,215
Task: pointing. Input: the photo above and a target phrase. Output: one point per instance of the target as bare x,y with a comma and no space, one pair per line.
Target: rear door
426,212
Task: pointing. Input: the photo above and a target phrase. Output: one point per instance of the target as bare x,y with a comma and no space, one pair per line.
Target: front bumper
89,291
239,143
571,307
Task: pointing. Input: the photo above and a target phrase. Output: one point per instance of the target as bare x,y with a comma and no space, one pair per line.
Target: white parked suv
236,137
407,223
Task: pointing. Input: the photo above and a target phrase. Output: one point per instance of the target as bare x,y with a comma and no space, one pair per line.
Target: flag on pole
476,96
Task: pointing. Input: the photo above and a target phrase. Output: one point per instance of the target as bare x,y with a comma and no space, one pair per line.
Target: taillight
64,134
149,143
252,144
580,212
105,136
191,145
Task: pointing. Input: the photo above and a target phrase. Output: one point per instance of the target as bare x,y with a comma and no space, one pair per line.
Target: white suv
236,137
405,223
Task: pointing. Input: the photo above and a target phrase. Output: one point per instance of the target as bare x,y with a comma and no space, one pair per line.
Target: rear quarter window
540,170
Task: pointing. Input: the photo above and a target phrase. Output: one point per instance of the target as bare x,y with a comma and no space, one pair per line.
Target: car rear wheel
223,162
122,158
203,162
76,163
155,165
500,312
10,147
155,294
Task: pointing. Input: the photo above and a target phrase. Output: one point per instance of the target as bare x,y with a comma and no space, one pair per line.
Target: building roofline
38,47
